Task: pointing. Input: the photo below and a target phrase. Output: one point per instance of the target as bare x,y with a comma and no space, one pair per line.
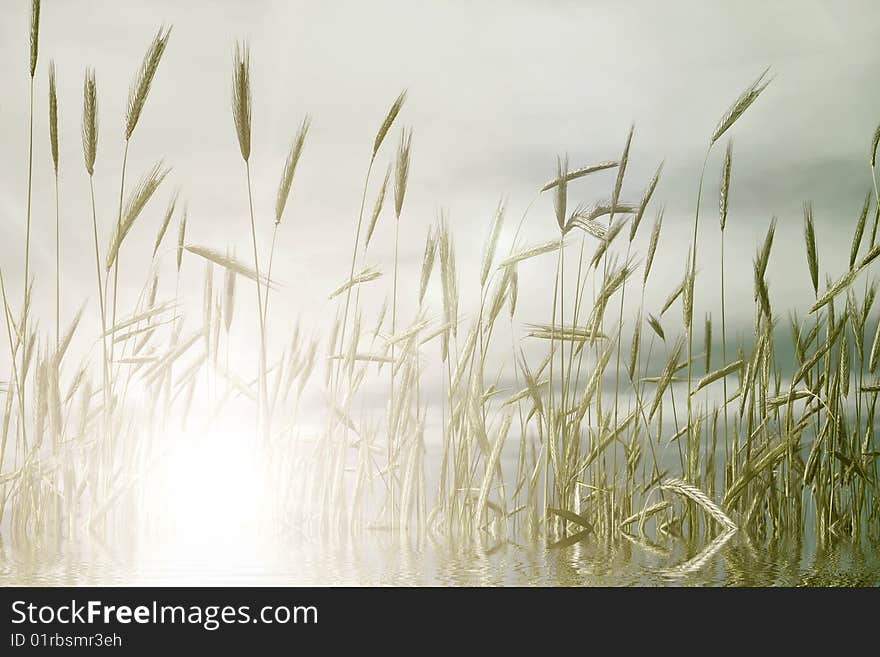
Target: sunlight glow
210,499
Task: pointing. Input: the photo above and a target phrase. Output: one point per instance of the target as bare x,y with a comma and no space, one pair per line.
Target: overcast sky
496,91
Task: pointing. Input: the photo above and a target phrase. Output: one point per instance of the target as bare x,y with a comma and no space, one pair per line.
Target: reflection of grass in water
587,437
390,559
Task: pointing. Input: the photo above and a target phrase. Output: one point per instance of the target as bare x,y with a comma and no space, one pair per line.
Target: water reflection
386,558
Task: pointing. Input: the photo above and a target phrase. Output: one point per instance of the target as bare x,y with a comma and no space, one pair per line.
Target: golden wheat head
140,88
90,121
241,97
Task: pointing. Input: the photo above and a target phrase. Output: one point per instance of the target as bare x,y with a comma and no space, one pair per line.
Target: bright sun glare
210,498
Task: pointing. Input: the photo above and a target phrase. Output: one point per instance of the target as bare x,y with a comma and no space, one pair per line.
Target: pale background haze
496,91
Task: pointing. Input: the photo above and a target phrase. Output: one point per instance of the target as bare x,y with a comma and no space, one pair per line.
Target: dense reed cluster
624,425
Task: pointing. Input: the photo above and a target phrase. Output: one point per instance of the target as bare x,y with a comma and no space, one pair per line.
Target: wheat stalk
34,47
812,254
401,170
90,150
741,104
652,245
491,243
34,35
427,263
289,169
135,204
365,276
643,205
531,252
283,193
53,144
166,220
579,173
53,117
560,198
859,231
140,88
241,113
226,261
393,111
377,207
229,298
693,493
241,97
90,121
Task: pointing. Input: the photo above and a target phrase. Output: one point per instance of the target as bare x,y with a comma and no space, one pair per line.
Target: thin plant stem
723,341
118,254
692,273
57,265
269,274
261,398
105,387
13,348
392,438
357,239
550,414
27,236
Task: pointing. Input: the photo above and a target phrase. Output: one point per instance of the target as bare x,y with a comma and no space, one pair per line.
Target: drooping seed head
393,111
241,97
53,116
585,217
655,325
140,87
90,121
290,168
226,261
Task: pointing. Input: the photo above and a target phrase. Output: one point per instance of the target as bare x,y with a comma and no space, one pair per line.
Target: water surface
383,558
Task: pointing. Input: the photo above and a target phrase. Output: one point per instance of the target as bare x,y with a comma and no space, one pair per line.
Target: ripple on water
384,559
